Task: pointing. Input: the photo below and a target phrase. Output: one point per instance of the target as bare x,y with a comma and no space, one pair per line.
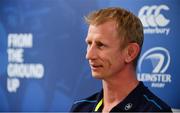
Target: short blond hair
128,26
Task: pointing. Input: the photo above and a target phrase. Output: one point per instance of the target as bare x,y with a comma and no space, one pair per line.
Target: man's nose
91,53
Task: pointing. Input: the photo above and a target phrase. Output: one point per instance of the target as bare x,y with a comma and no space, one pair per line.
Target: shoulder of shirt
155,102
84,105
90,99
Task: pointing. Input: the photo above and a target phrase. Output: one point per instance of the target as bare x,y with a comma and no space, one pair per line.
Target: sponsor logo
128,106
153,20
159,57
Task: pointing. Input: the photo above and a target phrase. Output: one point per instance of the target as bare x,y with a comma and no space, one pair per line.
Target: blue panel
51,70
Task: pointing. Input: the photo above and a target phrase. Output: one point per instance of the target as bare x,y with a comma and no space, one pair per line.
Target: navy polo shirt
141,99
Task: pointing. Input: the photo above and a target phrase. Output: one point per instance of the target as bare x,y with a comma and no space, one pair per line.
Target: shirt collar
129,103
98,98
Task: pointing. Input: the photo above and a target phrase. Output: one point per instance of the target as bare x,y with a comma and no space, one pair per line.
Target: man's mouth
95,67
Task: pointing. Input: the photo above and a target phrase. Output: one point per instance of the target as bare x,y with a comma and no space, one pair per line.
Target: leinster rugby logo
159,61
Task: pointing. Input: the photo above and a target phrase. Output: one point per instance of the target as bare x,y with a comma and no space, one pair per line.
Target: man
114,42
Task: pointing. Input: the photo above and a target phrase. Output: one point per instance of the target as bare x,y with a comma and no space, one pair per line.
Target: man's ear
132,51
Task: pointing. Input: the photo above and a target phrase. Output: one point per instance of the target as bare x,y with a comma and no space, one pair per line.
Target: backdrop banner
42,52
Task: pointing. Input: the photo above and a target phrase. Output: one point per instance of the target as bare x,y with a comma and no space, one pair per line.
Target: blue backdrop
42,51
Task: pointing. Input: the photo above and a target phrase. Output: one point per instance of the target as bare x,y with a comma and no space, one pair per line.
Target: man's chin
97,76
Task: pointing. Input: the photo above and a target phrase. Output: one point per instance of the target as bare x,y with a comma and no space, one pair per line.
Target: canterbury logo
151,16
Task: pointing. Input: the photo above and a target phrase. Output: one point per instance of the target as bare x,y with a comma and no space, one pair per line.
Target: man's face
105,56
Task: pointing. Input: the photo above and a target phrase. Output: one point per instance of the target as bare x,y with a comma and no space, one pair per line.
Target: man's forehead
107,28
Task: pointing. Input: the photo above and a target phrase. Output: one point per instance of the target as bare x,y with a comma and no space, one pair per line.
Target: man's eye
88,43
100,45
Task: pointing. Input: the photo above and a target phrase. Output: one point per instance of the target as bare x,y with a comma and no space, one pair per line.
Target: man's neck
117,88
